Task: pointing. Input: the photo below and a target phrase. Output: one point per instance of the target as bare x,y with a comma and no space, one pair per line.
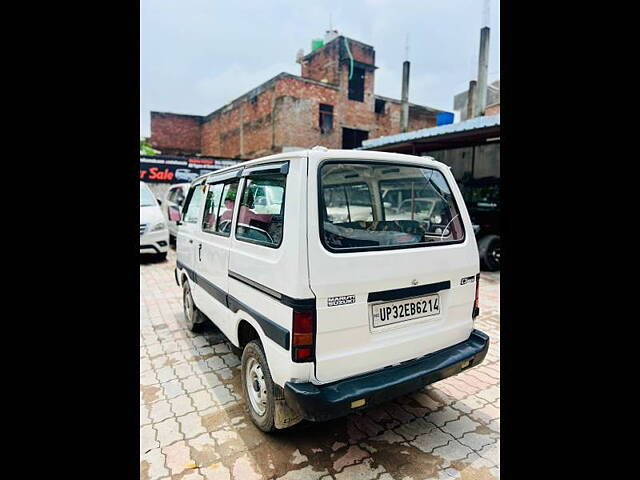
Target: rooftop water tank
316,43
444,118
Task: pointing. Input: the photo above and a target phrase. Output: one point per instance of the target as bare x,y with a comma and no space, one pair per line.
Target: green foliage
146,149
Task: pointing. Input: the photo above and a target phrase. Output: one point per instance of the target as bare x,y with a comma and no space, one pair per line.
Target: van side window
225,214
194,201
261,214
211,207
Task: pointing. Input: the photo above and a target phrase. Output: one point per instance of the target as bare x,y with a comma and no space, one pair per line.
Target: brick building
322,106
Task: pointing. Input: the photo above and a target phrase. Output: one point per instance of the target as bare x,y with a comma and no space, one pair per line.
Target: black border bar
400,293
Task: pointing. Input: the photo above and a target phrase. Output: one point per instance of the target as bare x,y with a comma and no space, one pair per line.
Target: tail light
304,333
476,303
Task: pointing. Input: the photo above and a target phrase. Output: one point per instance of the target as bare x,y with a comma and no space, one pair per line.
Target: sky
198,55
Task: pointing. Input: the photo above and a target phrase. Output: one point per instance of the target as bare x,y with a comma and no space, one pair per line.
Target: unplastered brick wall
175,134
284,111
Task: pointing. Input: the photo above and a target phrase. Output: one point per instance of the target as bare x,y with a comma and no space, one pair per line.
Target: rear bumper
324,402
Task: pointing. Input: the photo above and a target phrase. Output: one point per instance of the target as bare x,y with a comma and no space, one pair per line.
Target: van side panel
282,270
346,343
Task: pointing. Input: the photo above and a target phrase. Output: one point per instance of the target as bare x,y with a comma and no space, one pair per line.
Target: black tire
193,318
489,249
253,353
161,257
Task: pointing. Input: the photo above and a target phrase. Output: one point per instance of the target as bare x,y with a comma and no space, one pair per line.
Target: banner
169,169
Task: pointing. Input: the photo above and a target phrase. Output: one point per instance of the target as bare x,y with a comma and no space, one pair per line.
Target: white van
154,235
335,307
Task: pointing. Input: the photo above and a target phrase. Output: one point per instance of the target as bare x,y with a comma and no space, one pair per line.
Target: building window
352,138
356,85
326,118
380,106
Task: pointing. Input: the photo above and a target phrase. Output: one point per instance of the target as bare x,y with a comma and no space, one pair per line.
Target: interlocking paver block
433,439
442,416
453,450
475,440
148,439
306,473
160,410
414,428
491,394
172,389
192,384
165,374
191,425
154,464
168,431
362,471
178,457
181,405
202,400
459,427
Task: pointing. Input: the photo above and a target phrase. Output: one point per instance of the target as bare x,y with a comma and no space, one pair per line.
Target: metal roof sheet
472,124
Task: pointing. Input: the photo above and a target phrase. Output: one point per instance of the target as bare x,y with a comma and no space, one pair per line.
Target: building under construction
331,103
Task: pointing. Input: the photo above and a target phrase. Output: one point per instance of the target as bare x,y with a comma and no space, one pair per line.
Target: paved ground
192,424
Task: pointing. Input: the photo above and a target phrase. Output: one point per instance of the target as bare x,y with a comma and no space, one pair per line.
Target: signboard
169,169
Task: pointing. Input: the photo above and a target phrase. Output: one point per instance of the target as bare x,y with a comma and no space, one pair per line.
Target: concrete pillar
471,99
483,71
404,117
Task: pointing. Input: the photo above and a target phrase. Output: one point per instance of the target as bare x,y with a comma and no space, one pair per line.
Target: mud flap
284,416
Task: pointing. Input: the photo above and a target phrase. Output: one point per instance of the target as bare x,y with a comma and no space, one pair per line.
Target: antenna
330,23
486,13
406,48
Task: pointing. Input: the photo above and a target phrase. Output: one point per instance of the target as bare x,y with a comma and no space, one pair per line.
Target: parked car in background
172,207
482,197
185,174
334,307
154,235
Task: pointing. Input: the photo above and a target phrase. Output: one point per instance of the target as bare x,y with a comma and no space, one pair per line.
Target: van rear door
387,274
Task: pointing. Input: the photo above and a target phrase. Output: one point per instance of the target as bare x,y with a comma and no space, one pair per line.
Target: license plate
404,310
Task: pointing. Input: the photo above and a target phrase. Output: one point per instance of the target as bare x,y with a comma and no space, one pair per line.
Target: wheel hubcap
188,307
495,254
256,386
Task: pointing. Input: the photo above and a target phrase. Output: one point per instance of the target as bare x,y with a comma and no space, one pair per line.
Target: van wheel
489,249
258,387
192,316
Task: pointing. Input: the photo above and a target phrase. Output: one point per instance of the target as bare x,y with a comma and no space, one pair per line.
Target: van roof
325,152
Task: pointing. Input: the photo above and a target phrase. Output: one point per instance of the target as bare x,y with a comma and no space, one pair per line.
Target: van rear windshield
375,205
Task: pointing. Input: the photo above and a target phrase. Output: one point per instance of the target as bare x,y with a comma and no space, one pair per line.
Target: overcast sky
197,55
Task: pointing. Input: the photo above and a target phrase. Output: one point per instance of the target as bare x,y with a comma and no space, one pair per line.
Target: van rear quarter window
378,205
261,213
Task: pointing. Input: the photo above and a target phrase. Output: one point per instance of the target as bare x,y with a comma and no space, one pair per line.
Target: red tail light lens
476,303
303,336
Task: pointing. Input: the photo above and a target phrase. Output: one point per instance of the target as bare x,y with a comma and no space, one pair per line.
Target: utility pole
483,63
404,114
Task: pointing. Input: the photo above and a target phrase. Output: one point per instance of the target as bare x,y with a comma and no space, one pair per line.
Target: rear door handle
199,252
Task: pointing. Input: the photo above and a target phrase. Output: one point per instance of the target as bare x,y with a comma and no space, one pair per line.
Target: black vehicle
482,197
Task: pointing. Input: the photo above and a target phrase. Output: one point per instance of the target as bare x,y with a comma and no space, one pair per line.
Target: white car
154,235
185,174
333,312
172,207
